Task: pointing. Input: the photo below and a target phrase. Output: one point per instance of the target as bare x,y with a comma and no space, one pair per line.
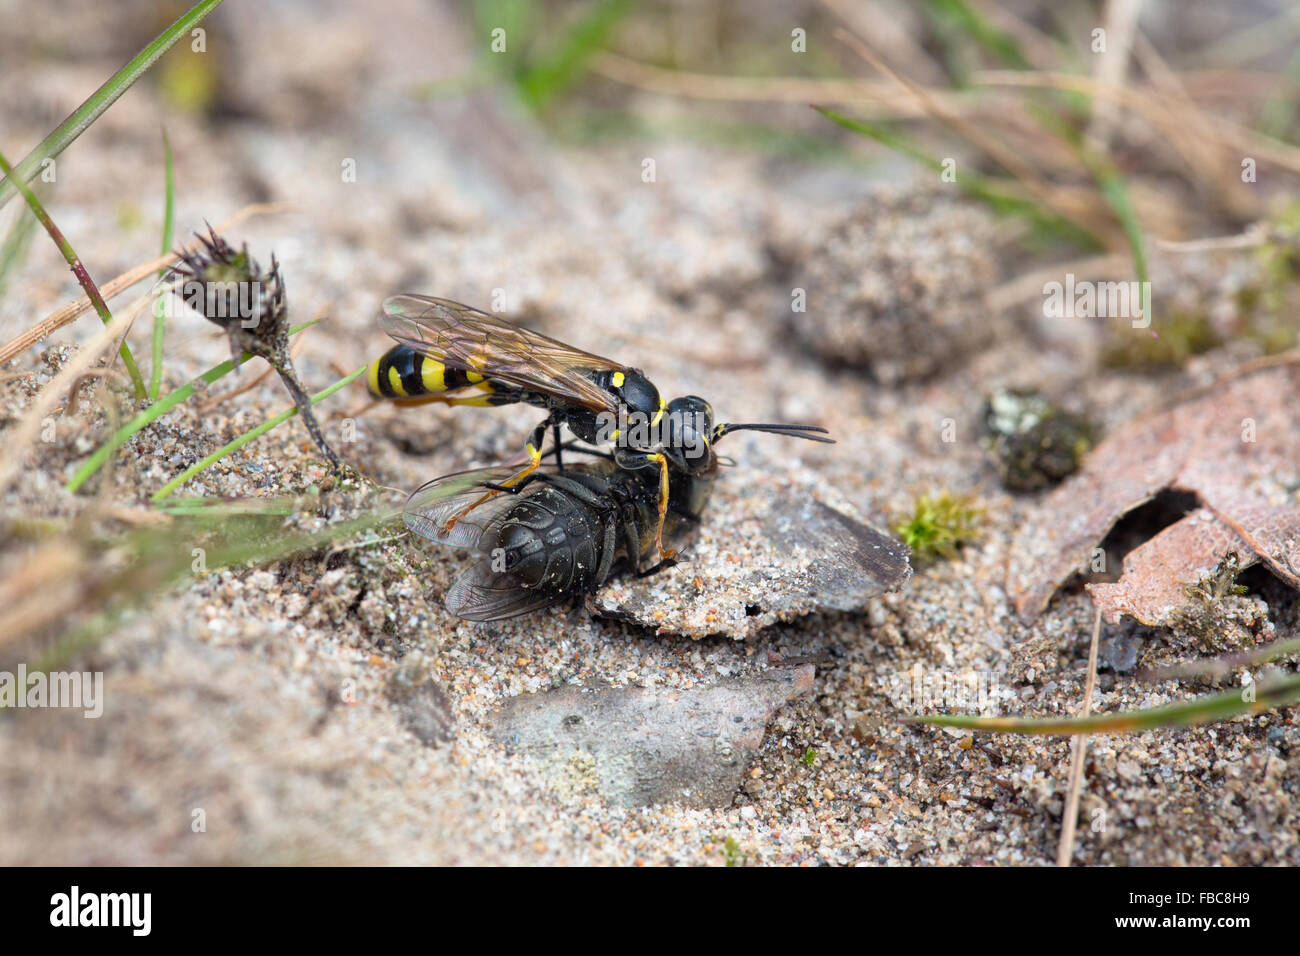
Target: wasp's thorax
640,411
636,392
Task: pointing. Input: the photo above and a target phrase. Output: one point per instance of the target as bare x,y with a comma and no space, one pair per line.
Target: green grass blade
283,506
153,412
161,559
976,26
78,270
1110,182
1115,190
251,435
1218,668
977,187
545,80
1200,710
159,306
104,97
1278,114
14,248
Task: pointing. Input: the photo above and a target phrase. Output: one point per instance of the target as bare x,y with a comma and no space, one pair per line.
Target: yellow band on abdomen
432,374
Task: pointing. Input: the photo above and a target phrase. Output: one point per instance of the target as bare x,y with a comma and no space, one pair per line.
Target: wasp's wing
465,338
481,593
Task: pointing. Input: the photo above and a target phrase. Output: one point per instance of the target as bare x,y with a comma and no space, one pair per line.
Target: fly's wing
436,502
465,338
480,593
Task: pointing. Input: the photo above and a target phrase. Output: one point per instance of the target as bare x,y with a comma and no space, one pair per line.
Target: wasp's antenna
791,431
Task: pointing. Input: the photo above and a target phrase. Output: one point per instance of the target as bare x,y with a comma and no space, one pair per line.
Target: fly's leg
632,541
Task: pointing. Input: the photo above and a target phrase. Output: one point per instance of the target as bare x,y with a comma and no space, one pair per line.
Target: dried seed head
229,288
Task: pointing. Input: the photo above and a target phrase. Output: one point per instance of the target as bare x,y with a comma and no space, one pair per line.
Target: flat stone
769,548
638,746
421,703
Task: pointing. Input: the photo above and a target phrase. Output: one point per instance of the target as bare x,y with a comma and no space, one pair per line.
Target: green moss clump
939,525
1219,583
731,853
809,757
1168,343
1217,614
1267,310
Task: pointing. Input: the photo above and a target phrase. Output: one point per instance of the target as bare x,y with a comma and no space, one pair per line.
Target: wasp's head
689,434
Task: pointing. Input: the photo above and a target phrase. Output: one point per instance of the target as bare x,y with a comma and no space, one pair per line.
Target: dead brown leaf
1235,445
1158,573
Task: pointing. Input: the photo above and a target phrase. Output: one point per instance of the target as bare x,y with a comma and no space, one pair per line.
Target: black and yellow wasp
454,354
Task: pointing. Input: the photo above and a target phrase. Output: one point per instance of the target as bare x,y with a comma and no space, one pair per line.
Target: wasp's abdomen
402,374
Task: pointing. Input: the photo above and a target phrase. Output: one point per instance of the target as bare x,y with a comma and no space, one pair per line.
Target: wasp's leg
581,492
559,460
594,452
479,401
662,459
629,460
517,488
533,448
663,565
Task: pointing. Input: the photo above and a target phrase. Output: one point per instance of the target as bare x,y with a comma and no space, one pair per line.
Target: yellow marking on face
431,375
615,433
395,381
659,414
372,378
618,379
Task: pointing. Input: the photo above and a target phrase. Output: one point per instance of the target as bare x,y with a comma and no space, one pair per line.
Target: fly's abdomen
408,376
553,542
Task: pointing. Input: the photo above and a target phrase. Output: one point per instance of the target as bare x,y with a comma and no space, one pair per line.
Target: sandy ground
271,699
